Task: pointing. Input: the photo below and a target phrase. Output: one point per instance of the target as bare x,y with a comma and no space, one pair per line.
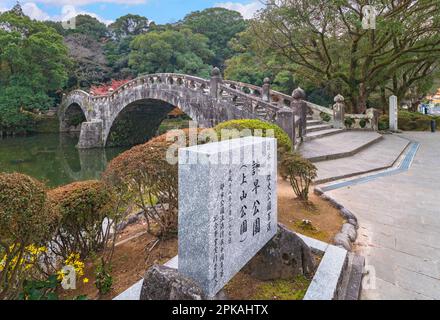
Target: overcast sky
160,11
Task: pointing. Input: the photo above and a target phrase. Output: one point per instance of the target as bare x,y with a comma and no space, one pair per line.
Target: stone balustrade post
299,108
216,80
339,112
393,113
286,120
265,95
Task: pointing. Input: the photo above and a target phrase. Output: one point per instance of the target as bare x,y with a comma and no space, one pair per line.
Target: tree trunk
362,100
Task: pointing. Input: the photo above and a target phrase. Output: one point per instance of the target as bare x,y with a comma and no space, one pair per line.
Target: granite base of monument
164,283
284,257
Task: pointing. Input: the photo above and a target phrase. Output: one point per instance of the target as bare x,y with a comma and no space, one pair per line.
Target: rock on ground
284,257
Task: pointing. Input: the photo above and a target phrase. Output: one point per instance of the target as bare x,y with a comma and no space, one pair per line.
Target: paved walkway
380,155
399,217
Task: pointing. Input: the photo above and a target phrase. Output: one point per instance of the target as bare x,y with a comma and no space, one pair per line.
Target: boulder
350,231
284,257
342,240
164,283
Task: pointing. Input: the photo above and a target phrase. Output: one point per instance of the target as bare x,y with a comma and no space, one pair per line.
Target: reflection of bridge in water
80,164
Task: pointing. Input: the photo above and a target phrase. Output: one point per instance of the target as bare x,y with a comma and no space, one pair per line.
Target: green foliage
89,26
104,280
397,56
40,289
219,25
83,208
300,172
284,142
410,121
33,60
363,123
325,116
171,51
349,122
26,218
291,289
129,25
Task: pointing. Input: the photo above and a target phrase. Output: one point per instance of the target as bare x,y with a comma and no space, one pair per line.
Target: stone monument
393,113
227,208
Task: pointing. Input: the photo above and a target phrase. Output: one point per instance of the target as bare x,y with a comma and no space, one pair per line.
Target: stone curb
348,234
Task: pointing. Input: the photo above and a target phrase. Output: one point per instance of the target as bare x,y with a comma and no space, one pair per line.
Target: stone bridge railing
225,100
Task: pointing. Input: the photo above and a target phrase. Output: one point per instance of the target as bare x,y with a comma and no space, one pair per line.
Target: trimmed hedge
26,215
143,175
284,142
410,121
83,207
27,223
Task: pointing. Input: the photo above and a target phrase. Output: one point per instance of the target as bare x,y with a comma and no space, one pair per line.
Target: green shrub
349,122
384,123
325,116
300,172
83,208
363,123
284,142
410,121
145,177
103,278
27,223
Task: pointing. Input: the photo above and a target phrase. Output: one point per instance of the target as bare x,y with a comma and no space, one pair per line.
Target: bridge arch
207,102
74,111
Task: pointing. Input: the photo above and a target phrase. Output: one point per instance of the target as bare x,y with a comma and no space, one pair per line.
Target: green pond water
53,158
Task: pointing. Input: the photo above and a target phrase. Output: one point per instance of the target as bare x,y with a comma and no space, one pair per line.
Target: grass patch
293,289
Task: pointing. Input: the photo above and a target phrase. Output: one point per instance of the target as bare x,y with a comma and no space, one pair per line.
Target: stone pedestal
91,135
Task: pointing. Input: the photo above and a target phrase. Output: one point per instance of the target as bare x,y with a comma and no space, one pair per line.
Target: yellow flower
85,280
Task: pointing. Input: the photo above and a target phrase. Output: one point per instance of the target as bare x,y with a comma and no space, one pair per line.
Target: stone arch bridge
208,102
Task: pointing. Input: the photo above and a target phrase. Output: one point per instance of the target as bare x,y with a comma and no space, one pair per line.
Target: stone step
344,144
309,118
322,133
313,122
379,156
318,127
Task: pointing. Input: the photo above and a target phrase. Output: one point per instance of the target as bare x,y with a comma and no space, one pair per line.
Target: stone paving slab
379,156
339,145
399,219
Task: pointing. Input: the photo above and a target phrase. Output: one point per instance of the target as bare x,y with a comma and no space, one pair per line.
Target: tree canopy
33,62
219,25
323,43
171,51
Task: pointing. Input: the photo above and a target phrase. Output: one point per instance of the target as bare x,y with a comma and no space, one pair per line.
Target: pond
53,158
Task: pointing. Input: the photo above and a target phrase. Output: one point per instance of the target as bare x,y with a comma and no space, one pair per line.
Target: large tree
219,25
129,25
324,43
117,50
171,51
33,62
